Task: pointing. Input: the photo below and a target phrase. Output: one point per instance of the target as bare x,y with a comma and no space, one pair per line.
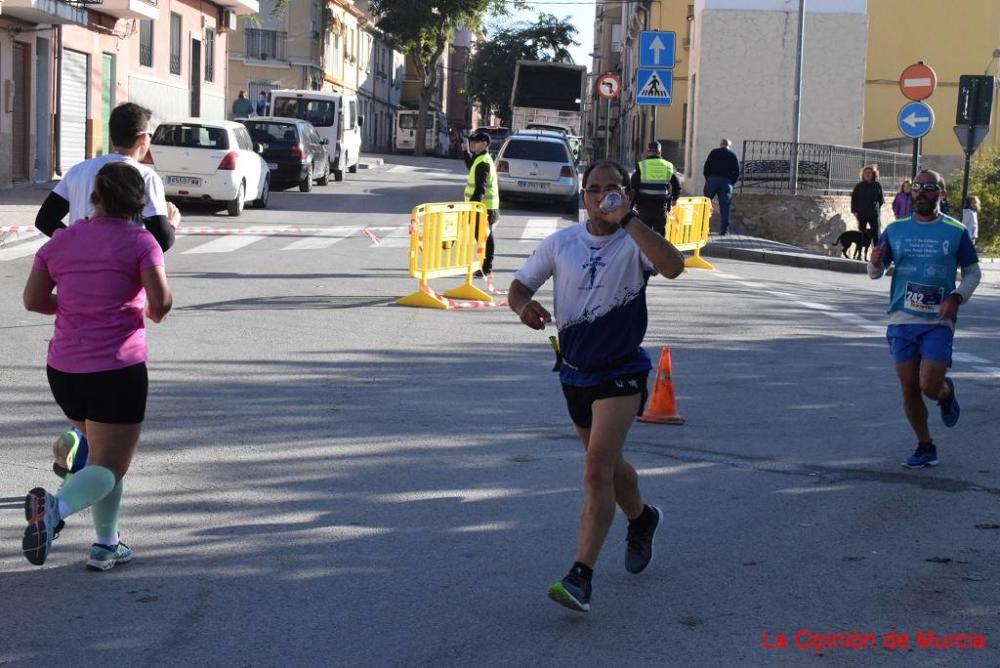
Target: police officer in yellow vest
656,189
481,186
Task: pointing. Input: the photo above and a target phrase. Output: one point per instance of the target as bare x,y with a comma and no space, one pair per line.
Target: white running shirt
78,184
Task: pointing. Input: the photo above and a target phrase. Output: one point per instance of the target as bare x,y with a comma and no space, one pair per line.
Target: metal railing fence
822,169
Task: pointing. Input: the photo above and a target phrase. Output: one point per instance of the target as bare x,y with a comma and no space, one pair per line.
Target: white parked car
210,161
538,166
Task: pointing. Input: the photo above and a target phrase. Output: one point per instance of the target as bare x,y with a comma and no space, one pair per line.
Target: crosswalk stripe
538,228
324,239
20,250
228,244
398,237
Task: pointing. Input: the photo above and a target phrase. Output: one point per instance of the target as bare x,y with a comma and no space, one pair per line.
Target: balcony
264,44
46,11
129,9
241,7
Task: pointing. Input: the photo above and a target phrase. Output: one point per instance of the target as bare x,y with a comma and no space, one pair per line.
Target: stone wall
808,221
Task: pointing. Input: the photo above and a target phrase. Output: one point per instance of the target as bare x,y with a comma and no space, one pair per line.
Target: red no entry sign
917,82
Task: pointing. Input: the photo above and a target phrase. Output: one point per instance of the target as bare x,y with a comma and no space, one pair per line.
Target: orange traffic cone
662,406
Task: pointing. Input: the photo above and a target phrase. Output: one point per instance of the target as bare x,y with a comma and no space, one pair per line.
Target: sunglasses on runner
926,187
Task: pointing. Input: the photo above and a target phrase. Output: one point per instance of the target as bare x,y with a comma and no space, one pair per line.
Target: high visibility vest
654,177
491,198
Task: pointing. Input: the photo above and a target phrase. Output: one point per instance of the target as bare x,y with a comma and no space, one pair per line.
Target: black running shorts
112,397
579,400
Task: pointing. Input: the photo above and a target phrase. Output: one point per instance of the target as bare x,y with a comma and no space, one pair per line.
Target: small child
970,216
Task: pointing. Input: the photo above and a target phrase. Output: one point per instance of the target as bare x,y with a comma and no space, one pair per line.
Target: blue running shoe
105,557
924,455
572,591
949,407
41,509
639,542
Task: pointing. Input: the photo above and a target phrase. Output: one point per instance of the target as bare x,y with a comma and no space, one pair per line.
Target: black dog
861,241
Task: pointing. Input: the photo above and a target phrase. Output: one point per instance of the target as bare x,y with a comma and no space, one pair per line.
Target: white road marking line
538,228
968,358
22,250
397,238
323,239
815,306
862,323
227,244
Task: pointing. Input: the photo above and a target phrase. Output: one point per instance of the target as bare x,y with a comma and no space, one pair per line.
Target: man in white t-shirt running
599,270
130,137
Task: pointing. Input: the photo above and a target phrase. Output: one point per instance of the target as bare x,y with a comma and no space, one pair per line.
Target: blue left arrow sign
915,119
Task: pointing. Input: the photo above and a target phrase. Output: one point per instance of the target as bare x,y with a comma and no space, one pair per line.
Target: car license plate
272,165
533,185
183,181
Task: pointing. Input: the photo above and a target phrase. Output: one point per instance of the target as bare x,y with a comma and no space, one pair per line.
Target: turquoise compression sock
106,515
86,488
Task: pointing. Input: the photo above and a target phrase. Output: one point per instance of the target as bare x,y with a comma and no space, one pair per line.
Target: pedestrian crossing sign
654,86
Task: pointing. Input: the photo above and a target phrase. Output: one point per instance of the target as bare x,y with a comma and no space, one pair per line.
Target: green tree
491,72
421,29
984,183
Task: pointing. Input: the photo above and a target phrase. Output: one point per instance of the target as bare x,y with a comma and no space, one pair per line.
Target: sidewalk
753,249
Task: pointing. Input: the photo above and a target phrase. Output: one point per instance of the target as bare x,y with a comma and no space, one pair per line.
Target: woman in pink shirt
105,268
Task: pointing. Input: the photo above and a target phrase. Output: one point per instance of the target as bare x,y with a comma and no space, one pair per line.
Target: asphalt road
326,479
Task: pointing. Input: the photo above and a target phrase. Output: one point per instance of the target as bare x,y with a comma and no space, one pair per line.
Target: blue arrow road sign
654,86
915,119
656,48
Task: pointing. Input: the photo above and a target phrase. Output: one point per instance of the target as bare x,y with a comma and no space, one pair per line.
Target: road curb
801,260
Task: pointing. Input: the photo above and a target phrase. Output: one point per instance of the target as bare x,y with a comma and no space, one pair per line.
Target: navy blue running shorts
579,400
113,397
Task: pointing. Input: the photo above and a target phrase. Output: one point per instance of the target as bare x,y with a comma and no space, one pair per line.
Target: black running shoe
573,591
639,551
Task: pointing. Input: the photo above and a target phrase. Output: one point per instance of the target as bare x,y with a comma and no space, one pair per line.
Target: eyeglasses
926,187
598,190
145,132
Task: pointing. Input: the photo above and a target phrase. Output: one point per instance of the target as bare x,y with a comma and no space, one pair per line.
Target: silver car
538,166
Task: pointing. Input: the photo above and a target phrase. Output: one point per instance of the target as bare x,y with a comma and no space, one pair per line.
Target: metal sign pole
607,132
916,157
797,114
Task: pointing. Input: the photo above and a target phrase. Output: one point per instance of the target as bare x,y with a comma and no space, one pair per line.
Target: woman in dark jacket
866,202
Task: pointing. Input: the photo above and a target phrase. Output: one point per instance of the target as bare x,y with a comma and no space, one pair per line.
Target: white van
435,133
335,117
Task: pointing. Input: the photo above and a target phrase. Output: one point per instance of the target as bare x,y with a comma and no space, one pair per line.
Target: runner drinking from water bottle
599,285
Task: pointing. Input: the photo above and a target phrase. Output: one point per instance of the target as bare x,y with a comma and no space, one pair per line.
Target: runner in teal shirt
926,248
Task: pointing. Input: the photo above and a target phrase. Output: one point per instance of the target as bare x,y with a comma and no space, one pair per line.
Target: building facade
72,64
965,40
744,88
332,45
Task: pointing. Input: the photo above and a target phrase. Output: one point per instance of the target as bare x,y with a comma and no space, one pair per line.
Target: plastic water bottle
611,202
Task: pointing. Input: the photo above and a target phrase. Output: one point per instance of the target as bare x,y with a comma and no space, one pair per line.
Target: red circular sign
608,86
917,82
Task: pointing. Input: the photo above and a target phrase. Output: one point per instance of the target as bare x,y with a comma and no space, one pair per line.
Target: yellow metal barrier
687,228
446,239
